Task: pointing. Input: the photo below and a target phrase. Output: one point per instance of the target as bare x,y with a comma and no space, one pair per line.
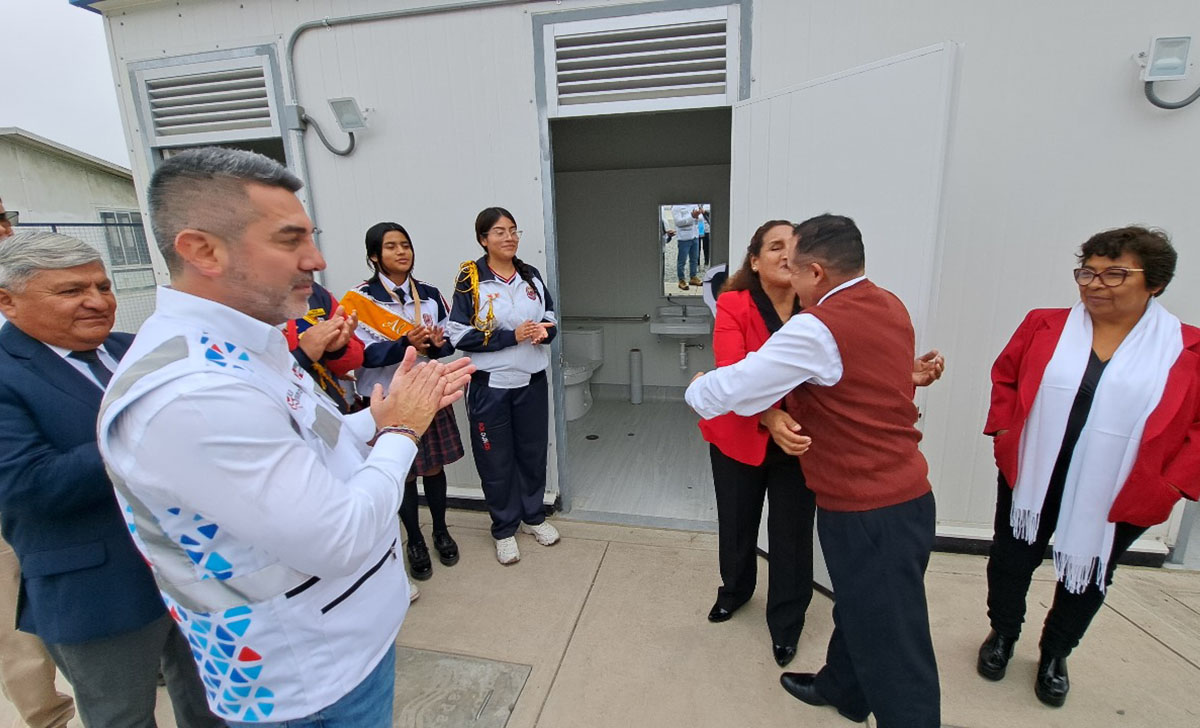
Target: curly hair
1151,246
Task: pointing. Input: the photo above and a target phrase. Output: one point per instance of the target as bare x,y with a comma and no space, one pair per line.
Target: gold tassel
487,324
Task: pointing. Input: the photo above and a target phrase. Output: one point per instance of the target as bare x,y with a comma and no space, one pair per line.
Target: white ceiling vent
653,61
210,101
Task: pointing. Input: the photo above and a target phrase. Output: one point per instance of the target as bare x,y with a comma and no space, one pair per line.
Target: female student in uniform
503,315
395,312
747,458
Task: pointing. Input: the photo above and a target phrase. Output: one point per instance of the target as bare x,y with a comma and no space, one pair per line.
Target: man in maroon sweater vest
845,367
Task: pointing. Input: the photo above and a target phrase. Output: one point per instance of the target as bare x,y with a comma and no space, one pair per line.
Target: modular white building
977,145
59,188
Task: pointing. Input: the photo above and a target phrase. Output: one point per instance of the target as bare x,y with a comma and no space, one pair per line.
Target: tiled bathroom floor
645,464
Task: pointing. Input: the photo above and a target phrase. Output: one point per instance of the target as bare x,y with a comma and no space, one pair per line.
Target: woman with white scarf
1095,417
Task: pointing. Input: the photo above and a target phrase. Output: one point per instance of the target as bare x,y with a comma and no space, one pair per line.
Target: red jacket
738,330
1168,460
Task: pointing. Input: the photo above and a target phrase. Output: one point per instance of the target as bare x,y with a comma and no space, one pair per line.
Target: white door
869,143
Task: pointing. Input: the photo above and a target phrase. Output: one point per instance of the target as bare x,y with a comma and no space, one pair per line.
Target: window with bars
126,238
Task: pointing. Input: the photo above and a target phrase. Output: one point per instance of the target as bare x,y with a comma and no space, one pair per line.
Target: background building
55,187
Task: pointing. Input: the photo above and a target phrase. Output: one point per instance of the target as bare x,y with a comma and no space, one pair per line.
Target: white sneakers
413,592
546,534
507,551
506,548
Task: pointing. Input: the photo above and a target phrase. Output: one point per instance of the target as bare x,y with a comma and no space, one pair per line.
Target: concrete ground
612,622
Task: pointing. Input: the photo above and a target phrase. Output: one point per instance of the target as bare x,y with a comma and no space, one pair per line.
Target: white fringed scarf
1129,390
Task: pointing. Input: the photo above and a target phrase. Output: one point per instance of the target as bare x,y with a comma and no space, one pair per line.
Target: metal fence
123,246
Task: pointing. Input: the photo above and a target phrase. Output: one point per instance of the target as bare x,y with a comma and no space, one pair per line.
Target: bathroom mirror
684,237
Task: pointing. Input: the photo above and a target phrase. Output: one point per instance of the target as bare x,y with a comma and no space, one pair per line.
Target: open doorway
619,260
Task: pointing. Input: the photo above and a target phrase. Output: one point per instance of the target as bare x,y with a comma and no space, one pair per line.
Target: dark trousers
740,490
115,678
880,658
1010,568
435,497
509,431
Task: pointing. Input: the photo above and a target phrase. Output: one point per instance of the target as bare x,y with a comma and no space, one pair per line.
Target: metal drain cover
441,690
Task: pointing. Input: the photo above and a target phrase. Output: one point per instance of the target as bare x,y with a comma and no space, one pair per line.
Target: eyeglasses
12,216
504,233
1109,277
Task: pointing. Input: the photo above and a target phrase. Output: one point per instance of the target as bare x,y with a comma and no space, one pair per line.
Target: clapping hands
418,391
534,333
328,335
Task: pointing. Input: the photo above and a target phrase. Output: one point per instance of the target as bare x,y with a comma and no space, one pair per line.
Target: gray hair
205,189
25,254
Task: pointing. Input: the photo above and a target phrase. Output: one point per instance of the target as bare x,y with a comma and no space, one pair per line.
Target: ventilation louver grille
220,101
634,64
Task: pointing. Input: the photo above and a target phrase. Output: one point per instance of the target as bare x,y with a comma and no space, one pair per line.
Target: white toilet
583,354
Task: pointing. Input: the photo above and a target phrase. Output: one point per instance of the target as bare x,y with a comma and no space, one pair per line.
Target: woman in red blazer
1095,417
746,461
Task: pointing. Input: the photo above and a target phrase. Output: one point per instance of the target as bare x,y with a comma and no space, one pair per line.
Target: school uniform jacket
1168,460
321,306
513,301
380,356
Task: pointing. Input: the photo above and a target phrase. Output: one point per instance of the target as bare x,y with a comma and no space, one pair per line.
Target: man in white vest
269,518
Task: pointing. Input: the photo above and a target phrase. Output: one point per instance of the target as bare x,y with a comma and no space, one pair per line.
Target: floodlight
349,116
1167,59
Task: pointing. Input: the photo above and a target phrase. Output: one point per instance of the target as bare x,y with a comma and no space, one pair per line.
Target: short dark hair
374,241
198,188
834,240
1152,247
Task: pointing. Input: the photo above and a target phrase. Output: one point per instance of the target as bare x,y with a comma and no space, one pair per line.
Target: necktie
95,366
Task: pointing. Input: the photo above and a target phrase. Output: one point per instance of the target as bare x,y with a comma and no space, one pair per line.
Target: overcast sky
57,81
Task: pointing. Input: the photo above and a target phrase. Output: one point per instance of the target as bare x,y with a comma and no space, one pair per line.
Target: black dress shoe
419,564
802,686
719,613
994,654
1052,683
446,547
783,655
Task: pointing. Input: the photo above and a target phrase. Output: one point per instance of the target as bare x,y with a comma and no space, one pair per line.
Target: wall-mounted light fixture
345,111
349,117
1167,60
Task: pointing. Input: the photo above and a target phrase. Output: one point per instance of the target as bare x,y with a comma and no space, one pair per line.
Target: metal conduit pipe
289,69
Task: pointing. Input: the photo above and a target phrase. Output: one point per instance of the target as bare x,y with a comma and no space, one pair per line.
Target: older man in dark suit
85,589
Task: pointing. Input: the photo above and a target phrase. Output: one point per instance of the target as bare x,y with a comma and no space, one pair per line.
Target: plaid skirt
440,445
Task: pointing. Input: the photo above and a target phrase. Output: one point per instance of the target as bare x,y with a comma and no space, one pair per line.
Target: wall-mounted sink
681,327
682,322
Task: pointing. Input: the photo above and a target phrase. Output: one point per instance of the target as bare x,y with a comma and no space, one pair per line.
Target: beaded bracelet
399,430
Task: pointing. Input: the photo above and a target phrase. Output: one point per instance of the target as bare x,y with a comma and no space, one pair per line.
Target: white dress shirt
803,350
105,358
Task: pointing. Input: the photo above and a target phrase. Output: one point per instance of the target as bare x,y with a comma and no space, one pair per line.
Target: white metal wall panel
869,143
453,130
1042,156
